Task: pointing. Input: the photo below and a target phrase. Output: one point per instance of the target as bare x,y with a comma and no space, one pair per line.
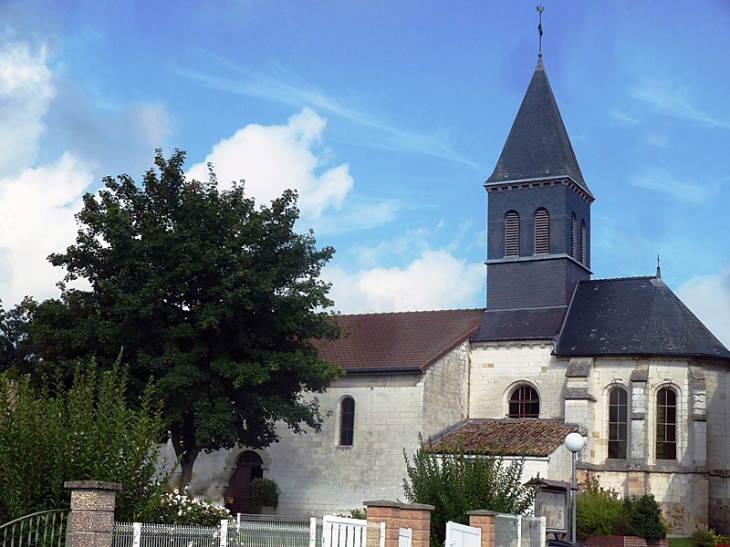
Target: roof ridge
628,278
410,312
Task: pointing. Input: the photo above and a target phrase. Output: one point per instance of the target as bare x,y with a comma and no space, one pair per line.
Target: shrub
183,509
642,517
706,537
456,482
598,509
89,431
264,492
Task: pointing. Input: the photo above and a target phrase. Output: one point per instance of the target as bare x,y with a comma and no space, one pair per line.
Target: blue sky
387,117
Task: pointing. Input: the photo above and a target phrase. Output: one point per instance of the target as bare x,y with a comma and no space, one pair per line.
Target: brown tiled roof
399,342
509,437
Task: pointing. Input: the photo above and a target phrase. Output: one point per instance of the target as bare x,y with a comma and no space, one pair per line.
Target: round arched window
524,403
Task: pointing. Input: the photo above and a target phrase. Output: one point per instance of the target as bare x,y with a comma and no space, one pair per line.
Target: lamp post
573,442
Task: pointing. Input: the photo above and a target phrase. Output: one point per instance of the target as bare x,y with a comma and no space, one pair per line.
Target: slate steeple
538,146
538,242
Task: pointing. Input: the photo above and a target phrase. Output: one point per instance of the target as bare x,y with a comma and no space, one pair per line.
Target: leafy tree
218,299
456,482
14,347
53,434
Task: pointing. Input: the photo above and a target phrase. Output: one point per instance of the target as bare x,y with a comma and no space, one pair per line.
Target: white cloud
709,299
671,98
25,92
274,158
661,180
435,280
36,219
285,90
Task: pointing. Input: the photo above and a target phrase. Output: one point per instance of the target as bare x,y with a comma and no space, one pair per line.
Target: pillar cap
398,505
482,513
92,485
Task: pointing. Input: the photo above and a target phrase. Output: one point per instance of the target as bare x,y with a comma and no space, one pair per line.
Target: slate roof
537,146
634,316
527,324
399,342
509,436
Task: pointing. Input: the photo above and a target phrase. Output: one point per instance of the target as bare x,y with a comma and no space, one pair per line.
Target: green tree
53,434
218,299
13,337
455,482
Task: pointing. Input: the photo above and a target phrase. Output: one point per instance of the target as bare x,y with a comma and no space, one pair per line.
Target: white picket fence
343,532
460,535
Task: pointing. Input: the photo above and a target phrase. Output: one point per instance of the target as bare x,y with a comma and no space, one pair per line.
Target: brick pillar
397,515
91,521
485,520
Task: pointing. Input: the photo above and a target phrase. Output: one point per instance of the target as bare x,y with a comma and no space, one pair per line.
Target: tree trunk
186,456
186,467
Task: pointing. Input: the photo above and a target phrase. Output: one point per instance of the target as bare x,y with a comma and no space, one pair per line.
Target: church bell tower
539,224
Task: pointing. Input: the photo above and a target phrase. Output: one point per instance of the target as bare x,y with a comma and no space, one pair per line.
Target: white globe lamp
573,442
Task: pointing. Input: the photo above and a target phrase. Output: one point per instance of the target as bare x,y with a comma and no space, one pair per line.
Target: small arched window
573,235
524,403
666,424
542,231
618,422
583,241
347,421
512,234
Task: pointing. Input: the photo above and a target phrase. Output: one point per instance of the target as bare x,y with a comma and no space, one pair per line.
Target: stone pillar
398,515
639,441
91,521
485,520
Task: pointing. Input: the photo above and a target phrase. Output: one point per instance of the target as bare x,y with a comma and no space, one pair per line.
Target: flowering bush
706,537
177,508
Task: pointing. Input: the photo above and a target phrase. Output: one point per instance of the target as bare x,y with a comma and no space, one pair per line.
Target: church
622,361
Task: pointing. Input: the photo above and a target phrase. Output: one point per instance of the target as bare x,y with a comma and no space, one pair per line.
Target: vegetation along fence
519,531
42,529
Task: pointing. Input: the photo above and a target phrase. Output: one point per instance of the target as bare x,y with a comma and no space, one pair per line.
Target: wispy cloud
661,180
285,89
672,98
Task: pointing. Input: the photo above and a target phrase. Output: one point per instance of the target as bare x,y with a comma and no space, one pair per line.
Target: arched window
542,231
347,421
583,241
573,235
524,403
512,234
618,422
666,424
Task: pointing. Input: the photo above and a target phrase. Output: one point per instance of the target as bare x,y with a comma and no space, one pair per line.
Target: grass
680,542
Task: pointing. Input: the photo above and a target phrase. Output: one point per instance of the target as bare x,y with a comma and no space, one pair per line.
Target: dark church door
248,467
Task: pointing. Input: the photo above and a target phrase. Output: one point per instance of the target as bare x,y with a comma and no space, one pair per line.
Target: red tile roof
399,342
509,437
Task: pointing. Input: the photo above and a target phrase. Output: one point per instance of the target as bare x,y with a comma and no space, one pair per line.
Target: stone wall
318,476
497,368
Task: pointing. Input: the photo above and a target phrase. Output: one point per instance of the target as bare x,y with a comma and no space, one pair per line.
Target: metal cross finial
540,8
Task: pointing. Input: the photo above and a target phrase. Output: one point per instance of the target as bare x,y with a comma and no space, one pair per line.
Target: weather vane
540,9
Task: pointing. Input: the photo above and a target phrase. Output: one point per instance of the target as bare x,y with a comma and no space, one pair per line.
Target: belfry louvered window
573,235
542,231
583,241
512,234
618,421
